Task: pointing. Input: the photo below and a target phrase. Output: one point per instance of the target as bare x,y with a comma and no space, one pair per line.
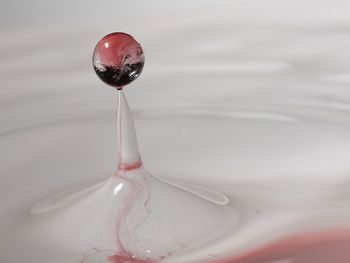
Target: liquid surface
132,216
258,93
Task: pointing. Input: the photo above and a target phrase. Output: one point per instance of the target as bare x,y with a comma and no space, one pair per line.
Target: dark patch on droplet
118,77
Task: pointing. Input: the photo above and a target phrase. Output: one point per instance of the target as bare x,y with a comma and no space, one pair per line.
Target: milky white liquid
255,107
268,207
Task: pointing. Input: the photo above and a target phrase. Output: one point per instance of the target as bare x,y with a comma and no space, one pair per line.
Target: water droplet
118,59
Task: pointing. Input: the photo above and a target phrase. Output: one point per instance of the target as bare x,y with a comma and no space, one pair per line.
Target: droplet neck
128,156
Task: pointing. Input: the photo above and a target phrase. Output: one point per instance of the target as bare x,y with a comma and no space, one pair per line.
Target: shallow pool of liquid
253,105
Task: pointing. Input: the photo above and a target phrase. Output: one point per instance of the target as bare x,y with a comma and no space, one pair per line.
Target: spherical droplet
118,59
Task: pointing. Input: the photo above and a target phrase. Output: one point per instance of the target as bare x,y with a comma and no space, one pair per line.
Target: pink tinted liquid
127,259
323,247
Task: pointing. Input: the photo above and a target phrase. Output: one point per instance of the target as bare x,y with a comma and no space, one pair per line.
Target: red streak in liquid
129,166
323,247
127,259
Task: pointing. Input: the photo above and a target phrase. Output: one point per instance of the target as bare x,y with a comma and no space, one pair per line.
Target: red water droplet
118,59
